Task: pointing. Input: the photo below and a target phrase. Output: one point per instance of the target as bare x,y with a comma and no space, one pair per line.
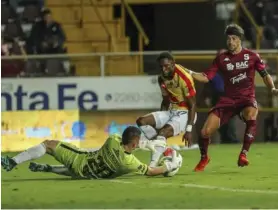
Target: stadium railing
111,44
197,60
107,64
142,36
259,31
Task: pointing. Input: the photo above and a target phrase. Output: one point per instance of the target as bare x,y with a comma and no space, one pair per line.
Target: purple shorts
226,107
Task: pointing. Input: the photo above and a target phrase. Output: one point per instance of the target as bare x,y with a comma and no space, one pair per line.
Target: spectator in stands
54,36
47,35
12,68
263,12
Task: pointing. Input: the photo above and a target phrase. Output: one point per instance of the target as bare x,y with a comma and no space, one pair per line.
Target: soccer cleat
8,163
202,164
242,160
36,167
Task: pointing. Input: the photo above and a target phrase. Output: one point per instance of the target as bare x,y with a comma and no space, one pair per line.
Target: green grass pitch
222,185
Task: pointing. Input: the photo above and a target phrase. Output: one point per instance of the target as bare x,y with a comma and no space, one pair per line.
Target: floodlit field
222,185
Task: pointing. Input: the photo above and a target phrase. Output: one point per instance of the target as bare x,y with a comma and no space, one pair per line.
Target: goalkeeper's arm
167,167
156,171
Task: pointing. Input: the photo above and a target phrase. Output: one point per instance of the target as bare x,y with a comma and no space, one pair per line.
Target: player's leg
150,123
173,127
57,169
211,125
249,115
48,146
71,157
158,145
228,132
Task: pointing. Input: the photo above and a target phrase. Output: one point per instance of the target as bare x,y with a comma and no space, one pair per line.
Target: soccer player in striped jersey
178,108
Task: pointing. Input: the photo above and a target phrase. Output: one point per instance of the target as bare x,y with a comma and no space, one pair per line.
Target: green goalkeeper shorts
71,157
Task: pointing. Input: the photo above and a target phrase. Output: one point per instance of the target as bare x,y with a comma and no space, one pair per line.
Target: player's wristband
189,128
272,89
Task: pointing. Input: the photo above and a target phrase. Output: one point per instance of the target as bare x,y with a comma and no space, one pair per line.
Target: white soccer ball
167,156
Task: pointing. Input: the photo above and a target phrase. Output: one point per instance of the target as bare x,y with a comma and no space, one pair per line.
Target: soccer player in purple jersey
237,66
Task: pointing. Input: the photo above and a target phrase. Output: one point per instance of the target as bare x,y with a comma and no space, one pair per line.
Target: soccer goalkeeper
113,159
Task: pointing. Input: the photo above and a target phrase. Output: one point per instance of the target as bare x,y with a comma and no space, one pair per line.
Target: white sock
149,131
31,153
159,149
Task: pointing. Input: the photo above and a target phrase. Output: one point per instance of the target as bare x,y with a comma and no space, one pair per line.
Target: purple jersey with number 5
238,72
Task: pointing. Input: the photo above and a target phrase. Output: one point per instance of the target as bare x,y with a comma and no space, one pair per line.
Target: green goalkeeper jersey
111,160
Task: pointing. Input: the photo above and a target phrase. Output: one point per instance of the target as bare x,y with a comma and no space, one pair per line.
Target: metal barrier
125,63
119,64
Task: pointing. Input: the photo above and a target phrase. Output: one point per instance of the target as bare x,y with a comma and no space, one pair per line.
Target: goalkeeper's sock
30,154
159,146
149,131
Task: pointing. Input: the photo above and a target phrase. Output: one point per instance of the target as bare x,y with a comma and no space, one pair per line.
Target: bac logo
242,65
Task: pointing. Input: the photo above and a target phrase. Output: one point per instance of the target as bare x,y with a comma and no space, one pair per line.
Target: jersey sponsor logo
230,67
227,59
238,78
242,65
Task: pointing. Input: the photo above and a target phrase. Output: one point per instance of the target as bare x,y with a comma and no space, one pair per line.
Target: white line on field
208,187
119,181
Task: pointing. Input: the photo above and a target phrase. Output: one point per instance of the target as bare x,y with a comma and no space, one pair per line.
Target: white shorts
176,118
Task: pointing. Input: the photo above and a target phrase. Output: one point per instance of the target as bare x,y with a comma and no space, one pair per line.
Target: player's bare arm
268,81
165,104
199,76
187,137
156,171
165,98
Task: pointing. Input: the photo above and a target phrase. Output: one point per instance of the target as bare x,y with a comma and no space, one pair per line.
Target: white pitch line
119,181
208,187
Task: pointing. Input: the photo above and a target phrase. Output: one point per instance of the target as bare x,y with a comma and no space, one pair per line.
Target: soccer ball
167,156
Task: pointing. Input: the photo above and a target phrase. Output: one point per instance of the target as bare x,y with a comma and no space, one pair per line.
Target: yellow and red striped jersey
179,87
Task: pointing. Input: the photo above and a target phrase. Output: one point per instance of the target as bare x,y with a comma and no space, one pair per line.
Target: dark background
177,26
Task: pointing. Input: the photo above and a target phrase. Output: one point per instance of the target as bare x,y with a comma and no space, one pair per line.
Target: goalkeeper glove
172,165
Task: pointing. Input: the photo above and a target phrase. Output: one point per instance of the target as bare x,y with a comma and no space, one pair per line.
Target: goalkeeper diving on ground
113,159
